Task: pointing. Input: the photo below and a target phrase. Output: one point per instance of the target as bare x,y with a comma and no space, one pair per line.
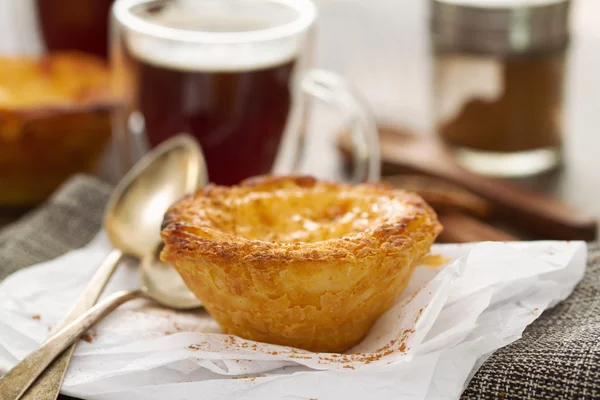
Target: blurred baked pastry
295,261
54,122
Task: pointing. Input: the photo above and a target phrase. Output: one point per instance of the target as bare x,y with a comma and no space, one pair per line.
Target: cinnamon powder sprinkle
394,346
37,317
250,378
419,315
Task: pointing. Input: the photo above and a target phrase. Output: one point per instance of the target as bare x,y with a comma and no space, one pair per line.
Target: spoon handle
48,385
14,383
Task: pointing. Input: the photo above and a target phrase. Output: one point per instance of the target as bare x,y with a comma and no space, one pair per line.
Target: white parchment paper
426,347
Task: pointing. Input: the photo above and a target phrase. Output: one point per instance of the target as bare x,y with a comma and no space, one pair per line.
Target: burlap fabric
557,358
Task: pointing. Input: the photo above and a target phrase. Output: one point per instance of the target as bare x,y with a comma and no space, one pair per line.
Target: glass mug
233,74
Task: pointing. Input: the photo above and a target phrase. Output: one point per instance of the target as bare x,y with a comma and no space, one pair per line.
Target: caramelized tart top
60,79
282,217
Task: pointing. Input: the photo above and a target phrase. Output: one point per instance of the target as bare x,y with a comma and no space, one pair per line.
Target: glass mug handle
333,90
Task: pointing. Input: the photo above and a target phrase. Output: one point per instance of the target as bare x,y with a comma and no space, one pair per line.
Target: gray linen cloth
558,356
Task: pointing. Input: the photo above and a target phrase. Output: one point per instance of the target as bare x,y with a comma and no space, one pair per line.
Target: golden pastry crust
296,261
54,122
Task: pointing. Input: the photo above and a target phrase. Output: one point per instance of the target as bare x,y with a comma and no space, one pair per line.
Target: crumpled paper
449,319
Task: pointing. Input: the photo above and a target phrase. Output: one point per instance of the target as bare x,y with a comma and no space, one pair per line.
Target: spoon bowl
165,284
135,211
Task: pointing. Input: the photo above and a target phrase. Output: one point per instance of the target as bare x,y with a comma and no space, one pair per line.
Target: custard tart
295,261
54,122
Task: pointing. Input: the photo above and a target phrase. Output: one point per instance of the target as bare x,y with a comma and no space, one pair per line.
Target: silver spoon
132,221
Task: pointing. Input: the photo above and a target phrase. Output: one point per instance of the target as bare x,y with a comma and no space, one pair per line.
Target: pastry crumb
434,260
89,337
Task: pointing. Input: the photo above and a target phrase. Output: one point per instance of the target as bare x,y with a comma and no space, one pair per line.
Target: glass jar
499,72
